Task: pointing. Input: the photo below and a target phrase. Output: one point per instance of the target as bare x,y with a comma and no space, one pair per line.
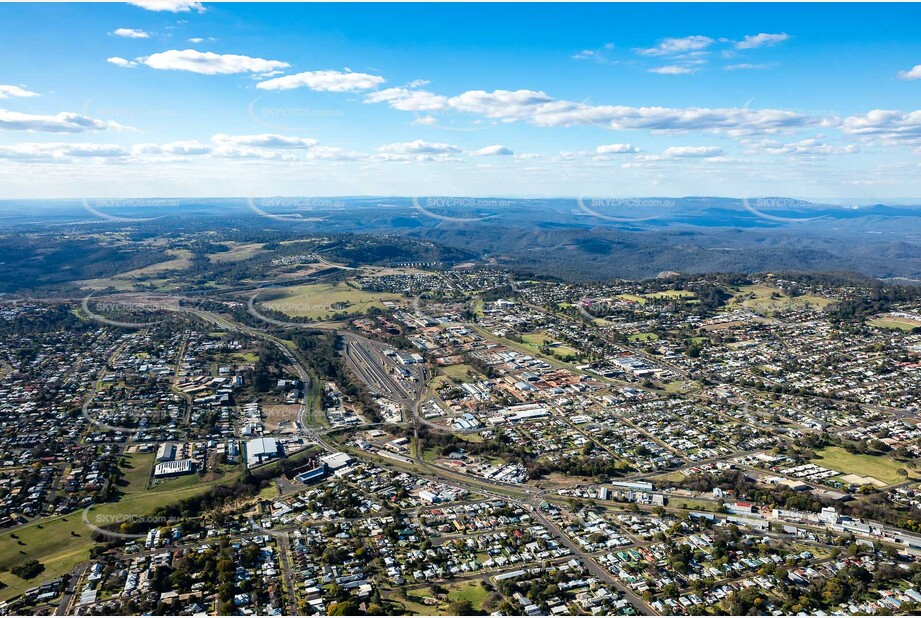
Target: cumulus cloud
408,100
541,109
890,126
121,62
333,153
324,81
7,92
170,6
672,69
806,147
679,45
616,149
492,151
746,66
598,55
264,140
58,152
181,148
418,150
64,122
131,33
692,152
209,63
913,73
761,39
231,152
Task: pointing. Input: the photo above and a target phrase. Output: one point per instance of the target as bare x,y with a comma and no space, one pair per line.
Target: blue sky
203,99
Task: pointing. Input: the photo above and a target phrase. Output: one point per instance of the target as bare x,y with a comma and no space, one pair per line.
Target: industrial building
261,450
174,468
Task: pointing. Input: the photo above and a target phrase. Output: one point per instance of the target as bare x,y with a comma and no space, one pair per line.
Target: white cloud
199,39
171,6
541,109
64,122
418,150
745,66
264,140
7,91
121,62
616,149
672,69
130,33
181,148
762,39
231,152
324,81
598,55
409,100
210,63
681,45
692,152
806,147
428,121
913,73
332,153
495,150
58,152
890,126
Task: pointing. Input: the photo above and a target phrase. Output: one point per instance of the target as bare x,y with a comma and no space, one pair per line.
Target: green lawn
469,591
878,466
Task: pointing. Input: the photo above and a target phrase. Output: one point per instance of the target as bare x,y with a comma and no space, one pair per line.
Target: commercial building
261,450
174,468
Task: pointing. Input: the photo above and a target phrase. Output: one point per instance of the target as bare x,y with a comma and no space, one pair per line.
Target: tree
462,607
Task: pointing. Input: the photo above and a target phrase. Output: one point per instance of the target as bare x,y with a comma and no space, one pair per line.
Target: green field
633,297
643,337
316,301
458,373
895,323
62,542
467,591
766,299
238,251
672,294
878,466
538,339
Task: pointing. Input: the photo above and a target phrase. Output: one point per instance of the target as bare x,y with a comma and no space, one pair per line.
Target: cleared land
458,373
766,299
317,301
878,466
